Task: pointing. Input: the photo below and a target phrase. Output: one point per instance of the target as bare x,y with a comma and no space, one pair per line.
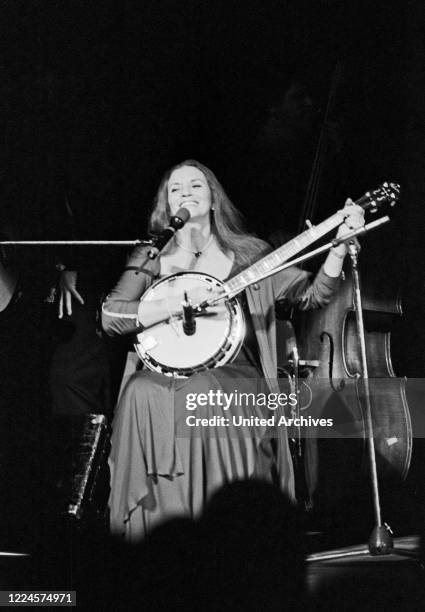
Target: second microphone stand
380,541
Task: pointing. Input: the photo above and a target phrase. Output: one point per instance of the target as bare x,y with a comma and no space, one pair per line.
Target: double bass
328,339
329,356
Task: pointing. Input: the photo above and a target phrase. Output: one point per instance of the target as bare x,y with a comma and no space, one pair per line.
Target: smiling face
188,187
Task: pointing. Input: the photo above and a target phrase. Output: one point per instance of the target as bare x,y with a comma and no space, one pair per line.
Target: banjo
167,348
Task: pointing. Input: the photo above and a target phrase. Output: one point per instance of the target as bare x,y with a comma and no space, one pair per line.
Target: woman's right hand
199,295
157,311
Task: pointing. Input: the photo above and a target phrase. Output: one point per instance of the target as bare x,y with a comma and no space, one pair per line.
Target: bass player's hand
68,292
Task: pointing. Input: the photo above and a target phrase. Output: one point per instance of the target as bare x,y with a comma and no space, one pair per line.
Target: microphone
176,223
189,323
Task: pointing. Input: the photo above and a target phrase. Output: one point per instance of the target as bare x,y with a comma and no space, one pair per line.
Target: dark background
98,99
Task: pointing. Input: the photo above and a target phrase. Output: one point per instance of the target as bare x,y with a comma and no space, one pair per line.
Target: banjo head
219,334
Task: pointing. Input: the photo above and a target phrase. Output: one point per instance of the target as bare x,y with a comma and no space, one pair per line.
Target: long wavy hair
227,223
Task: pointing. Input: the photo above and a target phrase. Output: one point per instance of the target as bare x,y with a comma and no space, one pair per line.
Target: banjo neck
385,193
264,266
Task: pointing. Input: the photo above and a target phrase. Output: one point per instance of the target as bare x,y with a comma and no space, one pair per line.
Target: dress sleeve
119,310
296,287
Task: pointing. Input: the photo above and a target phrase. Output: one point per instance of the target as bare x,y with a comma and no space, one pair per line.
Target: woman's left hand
353,221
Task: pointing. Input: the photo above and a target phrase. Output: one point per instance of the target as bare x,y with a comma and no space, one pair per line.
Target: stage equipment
81,474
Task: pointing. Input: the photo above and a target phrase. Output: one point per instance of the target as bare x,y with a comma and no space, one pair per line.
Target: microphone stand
136,242
380,541
293,375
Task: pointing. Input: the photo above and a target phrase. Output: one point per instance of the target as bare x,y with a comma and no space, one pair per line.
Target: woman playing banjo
168,454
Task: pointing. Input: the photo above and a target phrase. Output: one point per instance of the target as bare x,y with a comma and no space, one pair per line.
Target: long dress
161,467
